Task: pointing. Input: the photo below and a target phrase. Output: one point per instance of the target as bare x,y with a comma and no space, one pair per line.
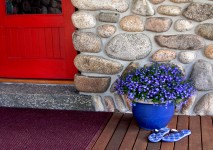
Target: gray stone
182,25
86,42
205,105
97,64
158,24
187,57
114,5
202,75
83,20
186,108
97,102
163,55
106,30
91,84
130,67
132,23
205,30
169,10
199,11
181,41
129,46
109,17
110,105
112,88
209,51
121,106
156,1
181,1
142,7
127,101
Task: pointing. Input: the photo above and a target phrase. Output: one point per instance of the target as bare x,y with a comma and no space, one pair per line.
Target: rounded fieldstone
109,17
202,75
169,10
91,84
199,11
187,57
142,7
97,64
181,1
182,25
205,30
86,42
187,107
121,106
114,5
132,23
164,55
83,20
156,1
209,51
106,30
181,41
205,105
129,46
158,24
109,102
97,102
130,67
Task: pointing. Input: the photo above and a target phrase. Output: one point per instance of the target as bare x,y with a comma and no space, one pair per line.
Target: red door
36,45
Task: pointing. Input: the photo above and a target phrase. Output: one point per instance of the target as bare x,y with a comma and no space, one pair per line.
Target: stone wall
116,35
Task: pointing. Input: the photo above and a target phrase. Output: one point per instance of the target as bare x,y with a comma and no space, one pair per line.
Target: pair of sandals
168,135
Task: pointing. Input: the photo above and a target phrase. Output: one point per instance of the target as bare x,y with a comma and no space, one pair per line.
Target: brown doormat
49,129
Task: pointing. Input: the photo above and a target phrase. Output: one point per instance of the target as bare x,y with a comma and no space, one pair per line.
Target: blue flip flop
157,135
176,136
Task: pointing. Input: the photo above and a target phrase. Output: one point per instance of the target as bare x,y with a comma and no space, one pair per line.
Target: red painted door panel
37,46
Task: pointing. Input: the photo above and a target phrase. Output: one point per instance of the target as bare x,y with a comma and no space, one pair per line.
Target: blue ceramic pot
149,116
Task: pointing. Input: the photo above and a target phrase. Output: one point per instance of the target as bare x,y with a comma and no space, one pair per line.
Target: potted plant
154,91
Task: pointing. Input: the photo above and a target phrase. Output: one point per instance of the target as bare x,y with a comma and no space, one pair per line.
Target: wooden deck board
122,133
207,132
130,137
172,125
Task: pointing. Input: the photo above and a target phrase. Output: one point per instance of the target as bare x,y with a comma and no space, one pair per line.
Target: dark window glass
33,6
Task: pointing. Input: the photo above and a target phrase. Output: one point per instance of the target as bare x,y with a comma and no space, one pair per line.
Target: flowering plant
159,82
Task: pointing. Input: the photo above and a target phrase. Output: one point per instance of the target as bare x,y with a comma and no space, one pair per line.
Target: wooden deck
122,133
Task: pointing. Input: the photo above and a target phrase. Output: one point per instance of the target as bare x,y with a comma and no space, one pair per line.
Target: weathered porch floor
122,132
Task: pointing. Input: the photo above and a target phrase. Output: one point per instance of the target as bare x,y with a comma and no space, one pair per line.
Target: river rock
182,25
187,107
109,17
97,102
181,41
209,51
187,56
91,84
97,64
86,42
205,30
110,105
142,7
158,24
169,10
121,106
202,75
205,105
129,46
106,30
130,67
114,5
156,1
199,11
181,1
83,20
132,23
164,55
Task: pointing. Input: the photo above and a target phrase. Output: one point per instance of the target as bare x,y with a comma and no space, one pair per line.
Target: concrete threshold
44,96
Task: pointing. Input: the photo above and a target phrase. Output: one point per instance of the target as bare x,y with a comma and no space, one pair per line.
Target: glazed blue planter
150,117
